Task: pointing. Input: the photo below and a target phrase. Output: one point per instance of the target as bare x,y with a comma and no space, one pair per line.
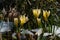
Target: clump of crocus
23,19
16,21
46,14
36,12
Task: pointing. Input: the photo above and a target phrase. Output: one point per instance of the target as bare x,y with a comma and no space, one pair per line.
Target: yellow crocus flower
23,19
16,21
46,14
38,21
36,12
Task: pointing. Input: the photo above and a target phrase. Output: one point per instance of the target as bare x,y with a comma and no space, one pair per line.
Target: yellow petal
16,21
38,20
45,19
48,13
44,13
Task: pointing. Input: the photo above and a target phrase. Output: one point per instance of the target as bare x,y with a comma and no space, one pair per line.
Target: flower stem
0,36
